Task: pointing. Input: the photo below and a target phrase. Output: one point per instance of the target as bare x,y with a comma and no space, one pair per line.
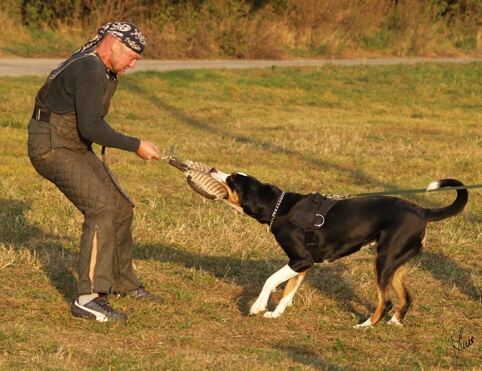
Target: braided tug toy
198,178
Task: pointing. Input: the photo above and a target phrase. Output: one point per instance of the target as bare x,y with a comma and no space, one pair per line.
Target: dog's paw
394,321
257,308
271,314
366,324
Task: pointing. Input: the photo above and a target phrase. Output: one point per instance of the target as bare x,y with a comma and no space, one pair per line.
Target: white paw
366,324
394,322
256,308
271,315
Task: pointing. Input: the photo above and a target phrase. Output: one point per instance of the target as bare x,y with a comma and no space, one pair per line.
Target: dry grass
329,129
213,29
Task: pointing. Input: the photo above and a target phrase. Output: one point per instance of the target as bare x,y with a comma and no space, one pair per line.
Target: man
68,117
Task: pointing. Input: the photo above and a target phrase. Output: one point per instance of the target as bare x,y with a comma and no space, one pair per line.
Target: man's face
122,58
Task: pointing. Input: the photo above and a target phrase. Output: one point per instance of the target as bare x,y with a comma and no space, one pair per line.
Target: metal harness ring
323,221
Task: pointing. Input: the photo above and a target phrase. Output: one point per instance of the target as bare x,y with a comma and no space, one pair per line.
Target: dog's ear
258,200
248,198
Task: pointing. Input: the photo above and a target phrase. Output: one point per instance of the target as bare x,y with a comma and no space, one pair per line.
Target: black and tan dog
312,229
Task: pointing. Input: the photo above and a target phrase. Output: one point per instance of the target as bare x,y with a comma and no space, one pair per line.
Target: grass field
332,129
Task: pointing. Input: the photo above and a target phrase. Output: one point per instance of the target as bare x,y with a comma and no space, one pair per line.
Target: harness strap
311,242
310,216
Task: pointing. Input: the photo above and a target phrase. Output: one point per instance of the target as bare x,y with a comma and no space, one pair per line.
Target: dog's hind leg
383,306
384,278
404,297
398,283
270,285
288,294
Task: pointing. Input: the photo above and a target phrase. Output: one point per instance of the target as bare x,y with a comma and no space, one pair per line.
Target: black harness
310,215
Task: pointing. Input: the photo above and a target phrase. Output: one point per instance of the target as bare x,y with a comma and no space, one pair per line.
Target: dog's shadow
329,280
251,275
450,274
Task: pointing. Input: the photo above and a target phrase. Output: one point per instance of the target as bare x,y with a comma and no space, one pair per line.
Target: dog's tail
434,215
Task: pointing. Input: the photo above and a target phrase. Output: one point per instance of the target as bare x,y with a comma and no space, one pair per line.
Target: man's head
128,33
116,55
119,44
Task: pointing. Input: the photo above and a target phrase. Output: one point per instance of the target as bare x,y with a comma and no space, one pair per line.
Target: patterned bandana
128,33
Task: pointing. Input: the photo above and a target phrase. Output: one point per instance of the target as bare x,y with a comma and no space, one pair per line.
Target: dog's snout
218,175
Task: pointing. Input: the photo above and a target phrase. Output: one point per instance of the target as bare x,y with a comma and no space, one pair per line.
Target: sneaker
99,309
142,293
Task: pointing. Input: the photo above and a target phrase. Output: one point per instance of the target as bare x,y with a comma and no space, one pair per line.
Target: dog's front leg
288,294
270,285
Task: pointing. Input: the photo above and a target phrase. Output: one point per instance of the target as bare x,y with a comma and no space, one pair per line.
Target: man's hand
148,151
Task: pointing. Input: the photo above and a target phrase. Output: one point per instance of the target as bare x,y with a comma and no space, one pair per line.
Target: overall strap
39,105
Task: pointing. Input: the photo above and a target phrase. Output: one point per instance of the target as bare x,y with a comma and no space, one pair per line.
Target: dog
332,229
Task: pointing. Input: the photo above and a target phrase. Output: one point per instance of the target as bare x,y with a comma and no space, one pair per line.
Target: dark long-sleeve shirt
81,88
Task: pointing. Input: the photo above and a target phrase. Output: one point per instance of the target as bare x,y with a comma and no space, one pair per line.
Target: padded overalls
60,154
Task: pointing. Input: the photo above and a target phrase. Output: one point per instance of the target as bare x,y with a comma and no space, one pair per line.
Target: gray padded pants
106,252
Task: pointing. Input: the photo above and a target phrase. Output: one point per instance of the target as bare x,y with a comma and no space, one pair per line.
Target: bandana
128,33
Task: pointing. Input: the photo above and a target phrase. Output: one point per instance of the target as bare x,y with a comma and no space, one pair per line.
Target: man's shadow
16,233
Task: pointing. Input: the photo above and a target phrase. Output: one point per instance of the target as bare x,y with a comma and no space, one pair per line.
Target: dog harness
310,215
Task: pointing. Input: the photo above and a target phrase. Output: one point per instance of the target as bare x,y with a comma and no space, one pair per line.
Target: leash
172,159
405,191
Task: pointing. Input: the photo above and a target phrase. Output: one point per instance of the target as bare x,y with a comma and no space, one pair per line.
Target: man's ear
113,42
116,44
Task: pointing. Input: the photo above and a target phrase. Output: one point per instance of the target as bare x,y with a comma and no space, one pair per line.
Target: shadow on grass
450,273
252,274
59,264
327,279
305,356
16,232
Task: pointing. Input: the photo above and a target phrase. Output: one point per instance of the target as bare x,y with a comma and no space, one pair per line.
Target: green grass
332,129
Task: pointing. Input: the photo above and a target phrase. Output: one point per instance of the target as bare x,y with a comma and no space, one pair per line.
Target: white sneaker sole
98,316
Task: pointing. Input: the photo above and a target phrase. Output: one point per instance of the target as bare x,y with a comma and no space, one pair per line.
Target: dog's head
248,195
